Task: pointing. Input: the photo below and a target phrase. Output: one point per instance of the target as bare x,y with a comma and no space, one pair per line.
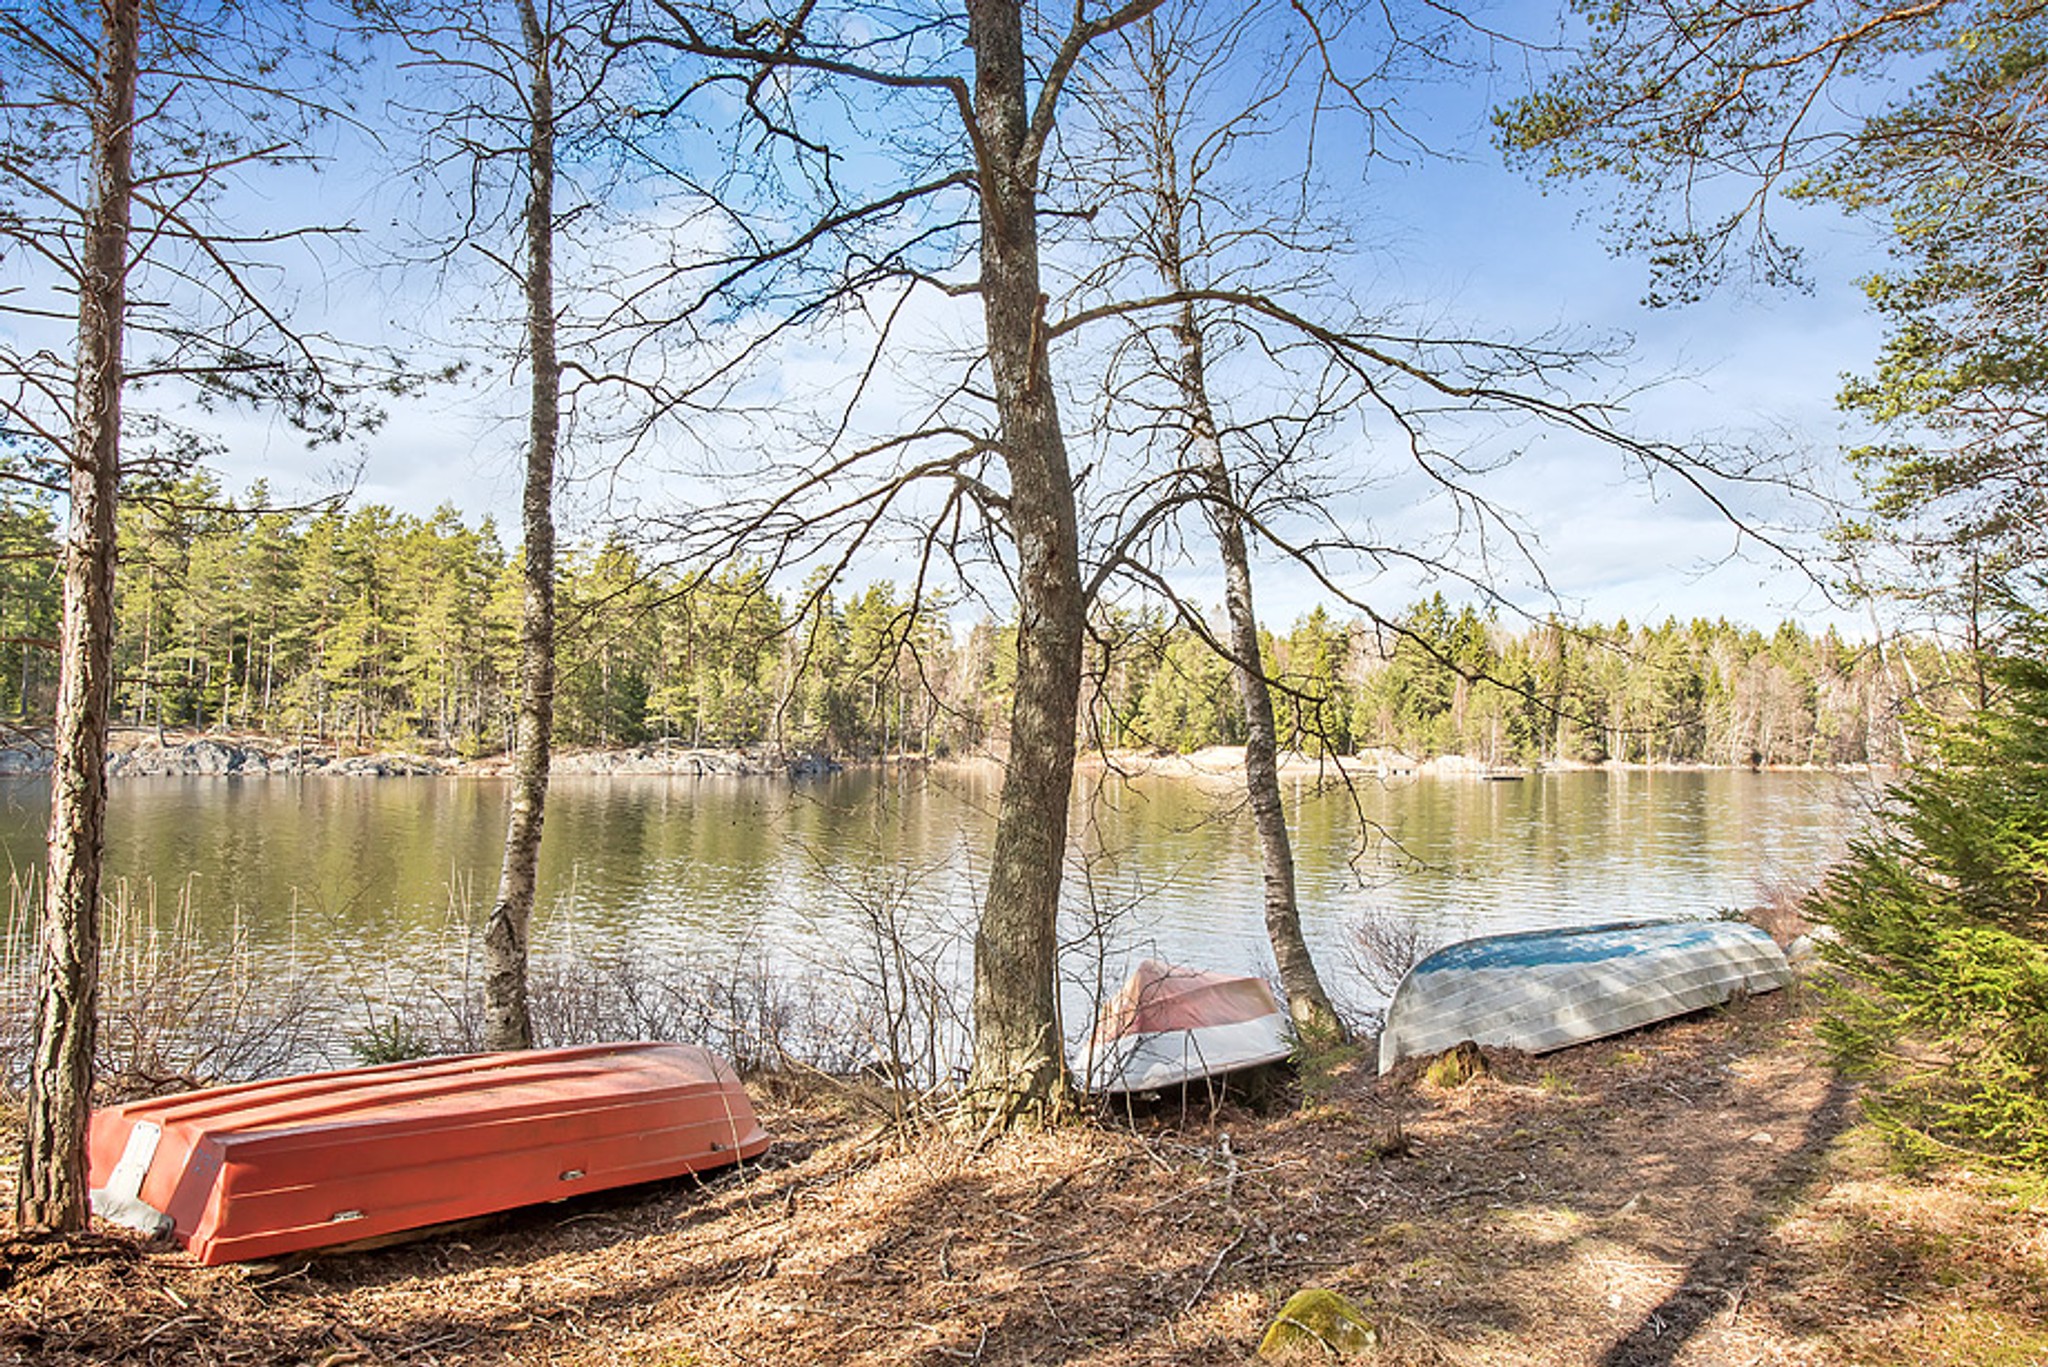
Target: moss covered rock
1319,1322
1456,1066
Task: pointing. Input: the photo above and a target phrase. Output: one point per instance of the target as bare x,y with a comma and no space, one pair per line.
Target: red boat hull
264,1168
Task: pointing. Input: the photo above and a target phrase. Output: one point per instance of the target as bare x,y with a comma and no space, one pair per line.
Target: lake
363,865
358,881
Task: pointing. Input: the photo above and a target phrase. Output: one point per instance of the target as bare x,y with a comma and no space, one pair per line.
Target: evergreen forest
369,627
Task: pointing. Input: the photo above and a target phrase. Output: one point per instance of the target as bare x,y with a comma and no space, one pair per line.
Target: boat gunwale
417,1080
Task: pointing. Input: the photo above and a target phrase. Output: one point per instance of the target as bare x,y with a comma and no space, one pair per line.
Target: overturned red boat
1169,1026
263,1168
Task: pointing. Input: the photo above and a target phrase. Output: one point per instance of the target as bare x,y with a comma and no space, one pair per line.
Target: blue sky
1468,238
1747,366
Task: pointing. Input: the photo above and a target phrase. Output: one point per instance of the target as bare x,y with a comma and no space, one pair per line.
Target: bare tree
1019,1071
53,1182
993,76
508,1024
1216,243
1159,53
501,95
156,111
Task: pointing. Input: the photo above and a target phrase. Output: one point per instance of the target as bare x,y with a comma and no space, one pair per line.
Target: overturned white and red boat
1168,1026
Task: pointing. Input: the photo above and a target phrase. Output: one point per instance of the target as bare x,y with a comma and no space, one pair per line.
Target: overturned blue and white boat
1544,989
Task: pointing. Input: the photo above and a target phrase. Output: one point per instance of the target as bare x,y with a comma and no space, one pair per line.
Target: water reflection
361,869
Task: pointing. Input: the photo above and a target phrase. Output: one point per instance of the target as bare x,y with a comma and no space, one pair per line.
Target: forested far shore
373,629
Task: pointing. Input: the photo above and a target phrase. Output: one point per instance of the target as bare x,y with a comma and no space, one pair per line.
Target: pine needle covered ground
1698,1194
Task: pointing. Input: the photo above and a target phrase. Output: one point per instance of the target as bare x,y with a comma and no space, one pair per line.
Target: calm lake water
365,871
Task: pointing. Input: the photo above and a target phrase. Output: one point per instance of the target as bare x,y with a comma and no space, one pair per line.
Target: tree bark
1018,1076
52,1192
1315,1019
508,1021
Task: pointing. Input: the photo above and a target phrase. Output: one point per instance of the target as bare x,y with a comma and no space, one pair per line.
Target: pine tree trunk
1018,1076
52,1192
508,1023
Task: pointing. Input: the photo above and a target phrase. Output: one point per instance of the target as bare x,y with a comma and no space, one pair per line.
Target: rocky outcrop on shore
20,758
212,757
209,758
145,754
148,756
691,763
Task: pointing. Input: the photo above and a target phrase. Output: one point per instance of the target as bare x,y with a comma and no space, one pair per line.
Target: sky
1457,232
1748,367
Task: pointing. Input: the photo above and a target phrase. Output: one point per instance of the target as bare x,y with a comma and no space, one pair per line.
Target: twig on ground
1146,1147
1212,1183
1215,1265
415,1349
722,1346
166,1327
1488,1189
964,1356
1054,1259
867,1321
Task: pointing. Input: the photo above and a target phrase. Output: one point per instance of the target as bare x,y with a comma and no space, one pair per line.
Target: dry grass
1698,1194
1780,908
182,1007
176,1010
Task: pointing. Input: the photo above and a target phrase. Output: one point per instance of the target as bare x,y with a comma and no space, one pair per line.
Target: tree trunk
508,1024
149,660
52,1193
1315,1019
1019,1070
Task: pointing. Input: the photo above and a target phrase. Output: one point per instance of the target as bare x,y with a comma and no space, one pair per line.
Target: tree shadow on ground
1604,1207
1717,1277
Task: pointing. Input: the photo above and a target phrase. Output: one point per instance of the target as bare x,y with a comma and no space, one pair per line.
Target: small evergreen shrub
1940,992
390,1040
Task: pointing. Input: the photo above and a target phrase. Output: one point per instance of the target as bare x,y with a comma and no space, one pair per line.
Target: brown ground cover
1697,1194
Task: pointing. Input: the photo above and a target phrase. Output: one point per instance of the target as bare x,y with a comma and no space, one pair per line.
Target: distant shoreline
175,754
183,754
1227,762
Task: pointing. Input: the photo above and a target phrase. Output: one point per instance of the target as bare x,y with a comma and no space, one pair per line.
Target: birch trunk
1018,1076
52,1192
508,1021
1315,1019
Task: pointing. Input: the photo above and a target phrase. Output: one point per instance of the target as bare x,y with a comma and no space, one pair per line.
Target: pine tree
1942,919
